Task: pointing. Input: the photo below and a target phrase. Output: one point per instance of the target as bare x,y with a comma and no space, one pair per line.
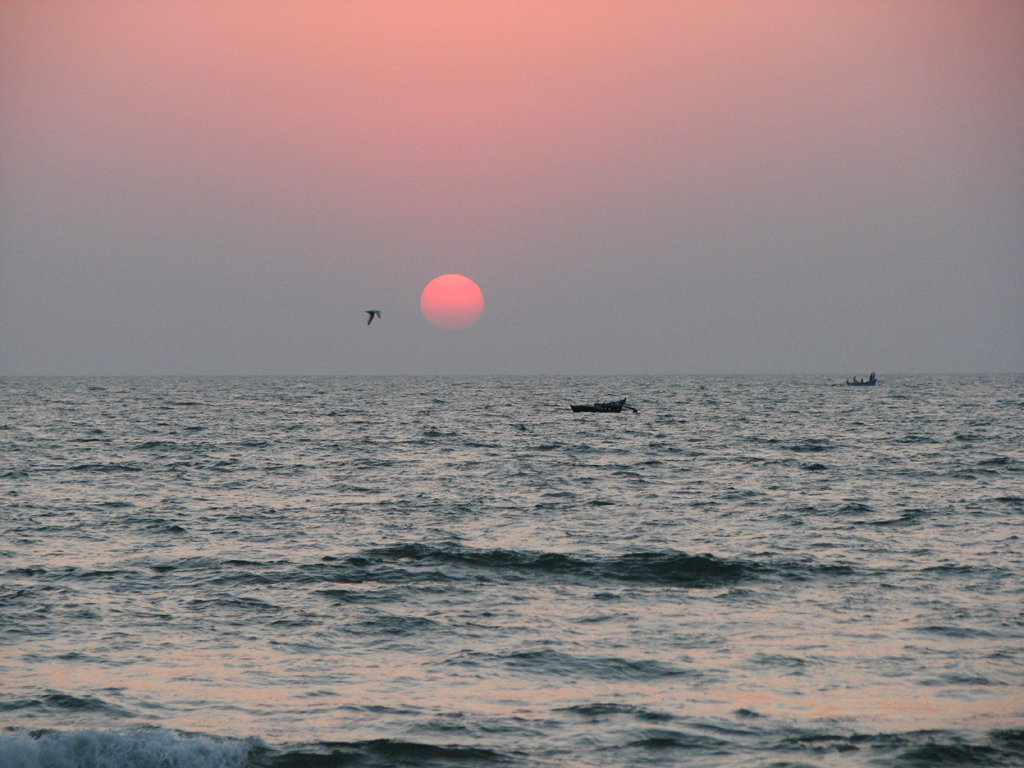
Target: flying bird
371,313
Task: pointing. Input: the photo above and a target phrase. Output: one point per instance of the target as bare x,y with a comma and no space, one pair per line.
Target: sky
684,187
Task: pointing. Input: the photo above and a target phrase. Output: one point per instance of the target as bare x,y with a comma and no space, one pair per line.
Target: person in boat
872,376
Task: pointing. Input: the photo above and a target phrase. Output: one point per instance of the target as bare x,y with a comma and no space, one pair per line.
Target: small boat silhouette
869,382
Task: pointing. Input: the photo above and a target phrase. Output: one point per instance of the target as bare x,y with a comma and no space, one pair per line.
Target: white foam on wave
111,749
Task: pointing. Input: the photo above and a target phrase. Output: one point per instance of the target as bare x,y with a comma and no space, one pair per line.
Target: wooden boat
868,382
614,406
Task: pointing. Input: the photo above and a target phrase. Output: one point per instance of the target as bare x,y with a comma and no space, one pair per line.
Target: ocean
428,571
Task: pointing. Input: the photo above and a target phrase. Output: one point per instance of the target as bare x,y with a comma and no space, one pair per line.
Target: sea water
748,571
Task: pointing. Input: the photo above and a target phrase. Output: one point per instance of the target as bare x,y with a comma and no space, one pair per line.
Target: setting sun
452,301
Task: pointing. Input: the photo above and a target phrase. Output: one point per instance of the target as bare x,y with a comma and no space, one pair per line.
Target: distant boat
613,406
870,381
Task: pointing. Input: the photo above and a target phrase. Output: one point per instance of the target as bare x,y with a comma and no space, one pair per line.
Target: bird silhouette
371,313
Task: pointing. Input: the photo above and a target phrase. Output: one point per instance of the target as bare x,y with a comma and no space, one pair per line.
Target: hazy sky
715,186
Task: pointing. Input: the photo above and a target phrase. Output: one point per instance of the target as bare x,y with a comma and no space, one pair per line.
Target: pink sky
219,187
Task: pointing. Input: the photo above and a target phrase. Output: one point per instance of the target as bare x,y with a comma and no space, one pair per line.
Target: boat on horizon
870,381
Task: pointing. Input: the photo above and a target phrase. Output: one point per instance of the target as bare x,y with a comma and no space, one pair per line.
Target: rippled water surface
442,571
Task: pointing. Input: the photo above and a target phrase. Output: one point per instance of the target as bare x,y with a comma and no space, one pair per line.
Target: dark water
461,572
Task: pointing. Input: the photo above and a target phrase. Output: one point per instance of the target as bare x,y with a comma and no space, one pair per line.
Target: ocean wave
666,568
388,624
63,702
359,597
930,755
232,603
1014,500
106,468
701,742
424,564
378,753
657,568
855,507
163,445
955,632
810,446
998,461
156,748
601,711
909,517
660,739
559,664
